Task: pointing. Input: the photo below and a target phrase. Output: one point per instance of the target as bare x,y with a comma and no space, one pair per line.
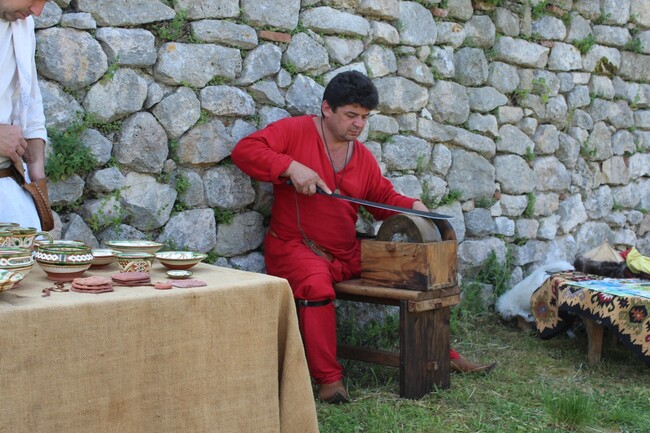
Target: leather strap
306,303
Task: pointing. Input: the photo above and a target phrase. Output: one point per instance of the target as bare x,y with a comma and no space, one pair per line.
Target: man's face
347,122
13,10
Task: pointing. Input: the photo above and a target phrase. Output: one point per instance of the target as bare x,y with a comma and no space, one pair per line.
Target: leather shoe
462,365
333,393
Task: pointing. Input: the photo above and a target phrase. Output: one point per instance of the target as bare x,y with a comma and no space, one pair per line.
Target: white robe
21,106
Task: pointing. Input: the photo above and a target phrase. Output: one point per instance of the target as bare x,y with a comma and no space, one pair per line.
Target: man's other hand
12,143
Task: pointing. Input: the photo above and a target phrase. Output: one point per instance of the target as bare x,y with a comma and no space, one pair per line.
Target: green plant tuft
290,68
587,151
617,207
530,205
223,216
585,44
175,30
485,202
69,156
181,184
497,273
529,155
110,72
541,88
421,164
452,196
635,45
104,217
203,117
539,10
427,197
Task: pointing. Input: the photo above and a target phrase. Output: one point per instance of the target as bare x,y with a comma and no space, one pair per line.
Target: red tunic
267,153
329,222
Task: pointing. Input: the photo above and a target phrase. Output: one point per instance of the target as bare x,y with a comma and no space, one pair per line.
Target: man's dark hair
351,87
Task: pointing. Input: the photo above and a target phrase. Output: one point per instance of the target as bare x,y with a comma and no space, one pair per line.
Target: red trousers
311,278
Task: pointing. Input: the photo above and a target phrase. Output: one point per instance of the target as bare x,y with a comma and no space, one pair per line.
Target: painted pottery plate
179,260
178,274
135,246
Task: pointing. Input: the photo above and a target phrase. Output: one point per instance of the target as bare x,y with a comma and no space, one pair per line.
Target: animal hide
516,301
604,269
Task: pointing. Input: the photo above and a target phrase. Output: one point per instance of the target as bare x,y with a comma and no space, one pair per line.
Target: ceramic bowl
179,259
64,262
136,246
103,257
134,262
15,256
16,259
9,279
60,243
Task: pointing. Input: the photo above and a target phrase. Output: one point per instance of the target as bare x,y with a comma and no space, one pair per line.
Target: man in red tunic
312,237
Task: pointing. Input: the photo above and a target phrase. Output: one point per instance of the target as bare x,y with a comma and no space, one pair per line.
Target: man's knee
315,288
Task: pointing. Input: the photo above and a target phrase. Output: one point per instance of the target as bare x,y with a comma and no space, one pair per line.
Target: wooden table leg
595,340
424,351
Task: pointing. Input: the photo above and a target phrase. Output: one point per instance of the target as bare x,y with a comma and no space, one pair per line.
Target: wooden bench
423,359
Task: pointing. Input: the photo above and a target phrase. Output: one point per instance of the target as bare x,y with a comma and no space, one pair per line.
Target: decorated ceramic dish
136,246
179,259
9,279
64,262
16,259
178,274
134,261
103,257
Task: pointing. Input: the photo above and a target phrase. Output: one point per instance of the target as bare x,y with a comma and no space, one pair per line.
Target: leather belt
7,172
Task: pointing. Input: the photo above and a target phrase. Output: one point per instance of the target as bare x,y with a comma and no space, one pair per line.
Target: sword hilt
319,190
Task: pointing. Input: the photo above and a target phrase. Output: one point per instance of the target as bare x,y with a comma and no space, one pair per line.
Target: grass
538,386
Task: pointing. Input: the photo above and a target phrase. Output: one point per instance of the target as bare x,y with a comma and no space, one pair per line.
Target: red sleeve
263,154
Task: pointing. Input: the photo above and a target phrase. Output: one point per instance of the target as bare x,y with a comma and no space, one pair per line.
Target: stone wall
531,118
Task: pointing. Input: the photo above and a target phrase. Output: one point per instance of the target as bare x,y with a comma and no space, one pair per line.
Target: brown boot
462,365
333,393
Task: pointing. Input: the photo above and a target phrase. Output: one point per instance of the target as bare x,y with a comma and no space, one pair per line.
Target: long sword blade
430,215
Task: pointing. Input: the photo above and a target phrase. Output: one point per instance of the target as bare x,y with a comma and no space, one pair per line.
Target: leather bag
38,191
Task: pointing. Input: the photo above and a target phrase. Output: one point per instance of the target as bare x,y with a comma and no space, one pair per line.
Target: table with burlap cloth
222,358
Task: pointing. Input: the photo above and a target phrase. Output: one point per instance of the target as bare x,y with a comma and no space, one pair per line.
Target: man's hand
304,179
418,205
12,143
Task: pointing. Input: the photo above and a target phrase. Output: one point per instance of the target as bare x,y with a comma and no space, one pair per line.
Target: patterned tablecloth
622,305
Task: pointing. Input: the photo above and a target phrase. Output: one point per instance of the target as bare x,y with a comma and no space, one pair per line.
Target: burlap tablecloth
223,358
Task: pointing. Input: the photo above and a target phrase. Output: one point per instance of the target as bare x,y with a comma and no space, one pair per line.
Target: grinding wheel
408,228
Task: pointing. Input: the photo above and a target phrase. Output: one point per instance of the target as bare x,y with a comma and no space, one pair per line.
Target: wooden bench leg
424,351
594,339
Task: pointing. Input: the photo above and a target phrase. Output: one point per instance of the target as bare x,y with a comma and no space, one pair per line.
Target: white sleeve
35,123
